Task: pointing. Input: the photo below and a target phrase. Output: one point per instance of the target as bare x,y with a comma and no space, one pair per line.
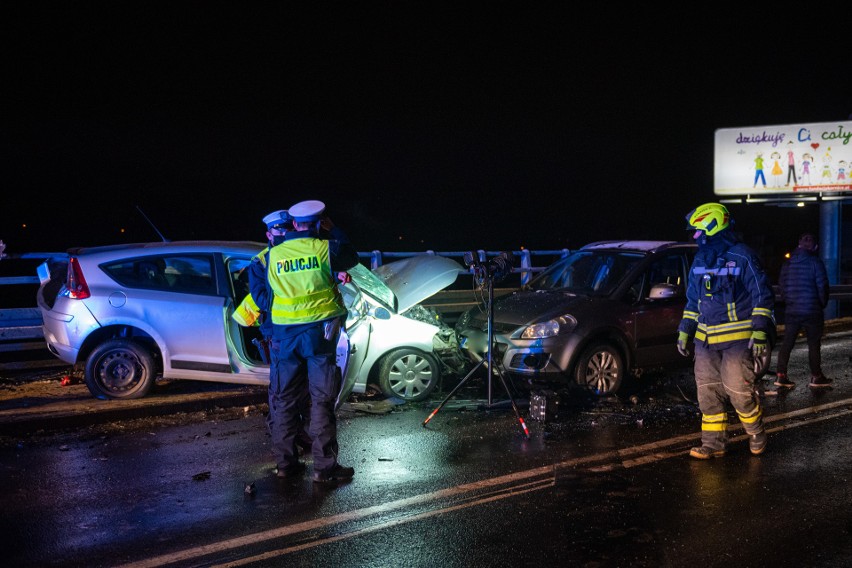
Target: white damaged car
129,315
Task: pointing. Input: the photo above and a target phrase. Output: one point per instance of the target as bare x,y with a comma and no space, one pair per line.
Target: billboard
786,159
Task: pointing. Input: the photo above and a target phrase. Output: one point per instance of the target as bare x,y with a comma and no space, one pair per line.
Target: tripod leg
452,392
514,406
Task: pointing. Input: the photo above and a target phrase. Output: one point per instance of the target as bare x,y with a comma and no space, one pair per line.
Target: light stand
487,271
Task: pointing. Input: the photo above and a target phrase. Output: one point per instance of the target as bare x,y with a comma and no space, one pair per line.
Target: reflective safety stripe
732,311
714,422
732,331
724,271
690,315
308,314
751,418
721,338
765,312
726,327
315,297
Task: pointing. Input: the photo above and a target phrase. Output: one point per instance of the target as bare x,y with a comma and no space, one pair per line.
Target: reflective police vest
303,287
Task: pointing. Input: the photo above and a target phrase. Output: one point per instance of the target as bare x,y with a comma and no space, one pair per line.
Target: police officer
250,312
307,311
729,313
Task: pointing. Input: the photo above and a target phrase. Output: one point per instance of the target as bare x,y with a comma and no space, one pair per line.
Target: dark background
442,126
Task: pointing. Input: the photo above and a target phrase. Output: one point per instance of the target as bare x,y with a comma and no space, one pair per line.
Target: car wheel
409,374
600,369
120,368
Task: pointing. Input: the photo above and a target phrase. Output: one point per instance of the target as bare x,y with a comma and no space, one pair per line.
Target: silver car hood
417,278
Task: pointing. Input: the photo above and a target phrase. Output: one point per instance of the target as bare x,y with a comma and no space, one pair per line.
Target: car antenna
153,226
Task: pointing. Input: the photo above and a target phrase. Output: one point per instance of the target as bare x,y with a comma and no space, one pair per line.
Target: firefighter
307,311
729,313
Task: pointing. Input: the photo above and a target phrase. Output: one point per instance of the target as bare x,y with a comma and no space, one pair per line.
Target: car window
178,273
587,272
238,272
666,270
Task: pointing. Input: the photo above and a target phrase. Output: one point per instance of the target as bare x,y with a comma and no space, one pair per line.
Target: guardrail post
526,262
376,259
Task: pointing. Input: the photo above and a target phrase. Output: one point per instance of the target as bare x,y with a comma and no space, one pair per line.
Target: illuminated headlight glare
551,328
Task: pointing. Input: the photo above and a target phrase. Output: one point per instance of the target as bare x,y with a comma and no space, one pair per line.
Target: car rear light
76,282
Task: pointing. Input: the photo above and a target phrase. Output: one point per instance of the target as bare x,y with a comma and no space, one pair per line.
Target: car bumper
549,358
64,333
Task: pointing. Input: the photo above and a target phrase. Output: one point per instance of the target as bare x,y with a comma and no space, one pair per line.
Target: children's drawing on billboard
751,160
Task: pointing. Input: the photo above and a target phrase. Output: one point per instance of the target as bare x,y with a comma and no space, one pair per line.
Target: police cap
307,211
276,218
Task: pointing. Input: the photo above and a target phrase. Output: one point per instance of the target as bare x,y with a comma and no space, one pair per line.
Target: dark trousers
813,325
308,351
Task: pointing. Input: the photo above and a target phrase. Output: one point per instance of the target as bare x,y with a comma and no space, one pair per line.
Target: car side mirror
664,290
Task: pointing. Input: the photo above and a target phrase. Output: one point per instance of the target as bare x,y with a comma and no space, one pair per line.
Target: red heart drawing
815,145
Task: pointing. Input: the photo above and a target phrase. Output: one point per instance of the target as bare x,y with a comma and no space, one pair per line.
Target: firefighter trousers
722,377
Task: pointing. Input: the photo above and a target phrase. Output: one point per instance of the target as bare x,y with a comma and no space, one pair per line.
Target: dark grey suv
606,311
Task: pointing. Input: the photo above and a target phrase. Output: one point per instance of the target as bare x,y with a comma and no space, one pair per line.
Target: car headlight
550,328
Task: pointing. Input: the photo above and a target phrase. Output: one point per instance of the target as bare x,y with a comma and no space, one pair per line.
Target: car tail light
76,282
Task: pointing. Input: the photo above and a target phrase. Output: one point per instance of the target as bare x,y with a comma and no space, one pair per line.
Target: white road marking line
647,453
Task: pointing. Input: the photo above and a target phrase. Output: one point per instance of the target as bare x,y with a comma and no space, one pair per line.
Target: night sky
422,126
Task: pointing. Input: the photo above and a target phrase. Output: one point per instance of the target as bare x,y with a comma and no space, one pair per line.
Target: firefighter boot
706,452
757,443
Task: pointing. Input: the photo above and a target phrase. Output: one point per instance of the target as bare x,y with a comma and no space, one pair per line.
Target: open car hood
403,283
417,278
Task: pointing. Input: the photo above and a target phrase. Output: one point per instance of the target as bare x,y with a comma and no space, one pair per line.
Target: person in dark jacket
804,290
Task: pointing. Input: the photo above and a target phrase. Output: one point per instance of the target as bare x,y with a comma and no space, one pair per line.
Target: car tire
120,368
600,369
409,374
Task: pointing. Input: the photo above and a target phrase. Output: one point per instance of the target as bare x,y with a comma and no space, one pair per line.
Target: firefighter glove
757,343
682,338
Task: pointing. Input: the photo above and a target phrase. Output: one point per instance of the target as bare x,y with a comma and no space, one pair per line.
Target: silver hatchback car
131,314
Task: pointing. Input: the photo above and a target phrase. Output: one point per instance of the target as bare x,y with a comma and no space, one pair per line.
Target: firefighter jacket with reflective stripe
303,286
729,300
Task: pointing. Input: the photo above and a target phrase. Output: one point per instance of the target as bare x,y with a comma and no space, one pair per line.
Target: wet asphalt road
607,483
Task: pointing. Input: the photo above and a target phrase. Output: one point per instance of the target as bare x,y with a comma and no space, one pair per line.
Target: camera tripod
487,362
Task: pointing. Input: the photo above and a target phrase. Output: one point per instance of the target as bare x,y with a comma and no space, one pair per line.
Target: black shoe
291,471
781,380
336,473
821,381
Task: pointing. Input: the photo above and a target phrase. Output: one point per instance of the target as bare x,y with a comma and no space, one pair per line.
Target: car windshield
595,273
